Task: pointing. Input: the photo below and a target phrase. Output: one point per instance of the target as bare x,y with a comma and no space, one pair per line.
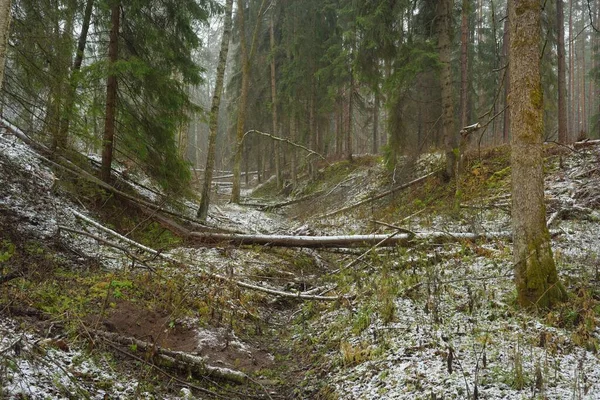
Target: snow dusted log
585,143
178,359
401,239
246,285
378,196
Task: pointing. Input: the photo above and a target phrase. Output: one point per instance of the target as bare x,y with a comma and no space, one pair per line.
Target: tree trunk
214,114
444,17
73,81
562,79
464,62
376,122
111,93
572,123
506,51
349,116
4,34
276,145
246,66
535,272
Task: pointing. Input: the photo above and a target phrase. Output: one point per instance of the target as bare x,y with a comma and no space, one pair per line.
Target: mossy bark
535,270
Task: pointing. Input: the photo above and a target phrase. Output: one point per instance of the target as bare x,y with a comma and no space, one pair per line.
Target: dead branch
309,151
171,259
378,196
285,203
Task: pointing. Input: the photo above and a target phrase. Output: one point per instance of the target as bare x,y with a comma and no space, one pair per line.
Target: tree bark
562,77
111,93
214,114
506,51
376,122
246,69
4,34
535,271
276,145
444,17
73,81
572,120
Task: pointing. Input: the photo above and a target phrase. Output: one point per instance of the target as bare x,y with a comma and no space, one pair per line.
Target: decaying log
178,359
246,285
378,196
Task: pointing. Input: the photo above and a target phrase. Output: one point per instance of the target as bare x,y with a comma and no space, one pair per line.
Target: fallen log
401,239
175,359
378,196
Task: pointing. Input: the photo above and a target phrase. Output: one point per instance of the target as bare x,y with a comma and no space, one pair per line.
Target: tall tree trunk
507,73
444,21
73,80
562,77
349,116
572,121
583,72
535,272
4,34
276,144
464,62
214,114
111,93
246,67
375,149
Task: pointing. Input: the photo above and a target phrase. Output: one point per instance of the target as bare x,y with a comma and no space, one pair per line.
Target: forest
276,199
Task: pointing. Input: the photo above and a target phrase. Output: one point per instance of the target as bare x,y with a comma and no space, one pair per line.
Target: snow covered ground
455,331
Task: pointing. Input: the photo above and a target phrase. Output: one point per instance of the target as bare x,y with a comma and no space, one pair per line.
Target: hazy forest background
339,77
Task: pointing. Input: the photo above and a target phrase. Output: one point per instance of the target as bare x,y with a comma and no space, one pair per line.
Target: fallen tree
401,239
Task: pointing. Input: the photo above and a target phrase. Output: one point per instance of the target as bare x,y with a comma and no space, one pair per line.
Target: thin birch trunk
214,114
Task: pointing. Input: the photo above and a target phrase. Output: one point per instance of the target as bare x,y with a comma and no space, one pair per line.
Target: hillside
90,313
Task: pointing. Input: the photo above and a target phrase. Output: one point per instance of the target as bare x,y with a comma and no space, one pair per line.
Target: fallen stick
213,275
377,197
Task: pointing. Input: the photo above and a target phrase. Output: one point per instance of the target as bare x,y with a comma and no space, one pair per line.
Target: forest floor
431,320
